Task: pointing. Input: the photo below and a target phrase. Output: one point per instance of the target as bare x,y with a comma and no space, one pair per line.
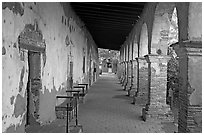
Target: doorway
33,87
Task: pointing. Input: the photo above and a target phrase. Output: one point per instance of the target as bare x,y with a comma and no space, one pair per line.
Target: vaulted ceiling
109,23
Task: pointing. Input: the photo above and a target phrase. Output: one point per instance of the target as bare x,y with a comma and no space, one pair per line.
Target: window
84,64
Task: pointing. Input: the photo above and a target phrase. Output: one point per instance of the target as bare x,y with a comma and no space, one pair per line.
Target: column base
131,92
154,113
128,86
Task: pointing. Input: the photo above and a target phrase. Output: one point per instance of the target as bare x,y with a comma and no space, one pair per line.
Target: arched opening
173,30
142,79
165,28
164,33
172,97
134,63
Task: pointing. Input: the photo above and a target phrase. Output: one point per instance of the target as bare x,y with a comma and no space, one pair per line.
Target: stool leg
76,113
67,126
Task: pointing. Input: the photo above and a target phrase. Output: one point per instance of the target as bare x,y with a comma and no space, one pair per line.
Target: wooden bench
63,110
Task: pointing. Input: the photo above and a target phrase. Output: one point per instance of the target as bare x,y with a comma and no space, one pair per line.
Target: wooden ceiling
109,23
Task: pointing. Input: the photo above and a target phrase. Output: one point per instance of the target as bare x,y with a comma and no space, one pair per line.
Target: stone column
156,108
190,86
141,93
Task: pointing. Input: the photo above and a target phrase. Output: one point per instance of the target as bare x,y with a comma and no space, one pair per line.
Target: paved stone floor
107,109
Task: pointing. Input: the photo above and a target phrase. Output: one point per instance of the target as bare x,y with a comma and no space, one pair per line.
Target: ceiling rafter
112,5
128,22
109,23
105,10
108,13
105,28
106,16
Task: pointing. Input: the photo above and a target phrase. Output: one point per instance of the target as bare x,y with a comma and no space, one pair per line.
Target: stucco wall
56,24
195,21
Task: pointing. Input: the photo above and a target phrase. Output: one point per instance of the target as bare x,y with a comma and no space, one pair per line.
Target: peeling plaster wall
56,25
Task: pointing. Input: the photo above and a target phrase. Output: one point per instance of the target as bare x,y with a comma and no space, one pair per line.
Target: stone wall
66,40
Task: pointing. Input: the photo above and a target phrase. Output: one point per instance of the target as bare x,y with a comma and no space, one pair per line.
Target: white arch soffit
143,41
163,23
135,49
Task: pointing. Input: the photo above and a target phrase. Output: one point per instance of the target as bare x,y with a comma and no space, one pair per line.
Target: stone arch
143,44
189,14
131,46
126,50
135,47
182,12
161,28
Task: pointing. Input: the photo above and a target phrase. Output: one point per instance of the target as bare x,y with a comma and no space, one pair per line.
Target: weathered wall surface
65,41
195,21
195,80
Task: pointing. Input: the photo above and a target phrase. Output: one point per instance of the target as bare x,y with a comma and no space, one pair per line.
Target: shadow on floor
119,90
122,97
119,83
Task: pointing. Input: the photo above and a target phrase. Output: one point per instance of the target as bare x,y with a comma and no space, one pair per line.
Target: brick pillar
156,106
122,72
119,71
129,83
126,76
140,96
190,86
133,89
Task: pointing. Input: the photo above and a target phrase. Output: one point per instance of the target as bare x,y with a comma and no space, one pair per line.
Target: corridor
108,110
137,65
